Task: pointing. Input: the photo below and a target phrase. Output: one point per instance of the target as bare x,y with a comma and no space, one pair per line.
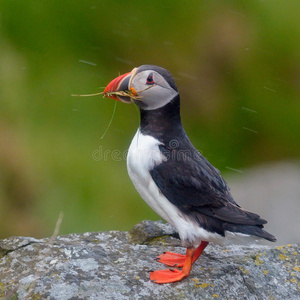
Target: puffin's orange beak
118,84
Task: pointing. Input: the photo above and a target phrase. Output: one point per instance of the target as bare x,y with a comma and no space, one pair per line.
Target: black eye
150,80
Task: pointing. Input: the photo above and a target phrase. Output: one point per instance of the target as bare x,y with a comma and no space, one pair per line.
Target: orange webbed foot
167,276
178,260
171,259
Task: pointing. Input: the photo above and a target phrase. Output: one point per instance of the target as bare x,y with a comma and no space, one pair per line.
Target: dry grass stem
57,227
128,93
87,95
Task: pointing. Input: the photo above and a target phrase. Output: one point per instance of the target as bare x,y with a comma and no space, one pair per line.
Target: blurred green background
236,64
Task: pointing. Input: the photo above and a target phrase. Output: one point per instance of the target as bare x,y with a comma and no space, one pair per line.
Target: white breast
143,155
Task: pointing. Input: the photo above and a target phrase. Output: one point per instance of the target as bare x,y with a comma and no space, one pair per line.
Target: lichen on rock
115,265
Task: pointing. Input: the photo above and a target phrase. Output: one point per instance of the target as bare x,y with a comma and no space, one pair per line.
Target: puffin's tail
255,230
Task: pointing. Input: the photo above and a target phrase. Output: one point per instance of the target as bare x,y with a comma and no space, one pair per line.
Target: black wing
191,183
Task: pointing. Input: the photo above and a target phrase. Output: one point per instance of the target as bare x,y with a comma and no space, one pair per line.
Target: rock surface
115,265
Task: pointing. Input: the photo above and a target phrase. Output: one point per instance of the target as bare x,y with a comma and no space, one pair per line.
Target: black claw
157,259
154,280
150,271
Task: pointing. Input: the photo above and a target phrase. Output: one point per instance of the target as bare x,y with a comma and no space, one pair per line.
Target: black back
190,182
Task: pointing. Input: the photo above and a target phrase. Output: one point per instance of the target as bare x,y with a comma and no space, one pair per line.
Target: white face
152,88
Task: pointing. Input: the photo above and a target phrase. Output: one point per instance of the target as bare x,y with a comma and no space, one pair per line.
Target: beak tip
115,83
114,86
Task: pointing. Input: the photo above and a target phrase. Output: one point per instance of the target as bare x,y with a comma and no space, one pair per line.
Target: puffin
174,178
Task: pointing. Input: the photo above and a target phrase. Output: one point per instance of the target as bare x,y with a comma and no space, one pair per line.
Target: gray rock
112,265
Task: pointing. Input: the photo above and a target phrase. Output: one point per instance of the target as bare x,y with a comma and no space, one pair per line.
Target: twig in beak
132,93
